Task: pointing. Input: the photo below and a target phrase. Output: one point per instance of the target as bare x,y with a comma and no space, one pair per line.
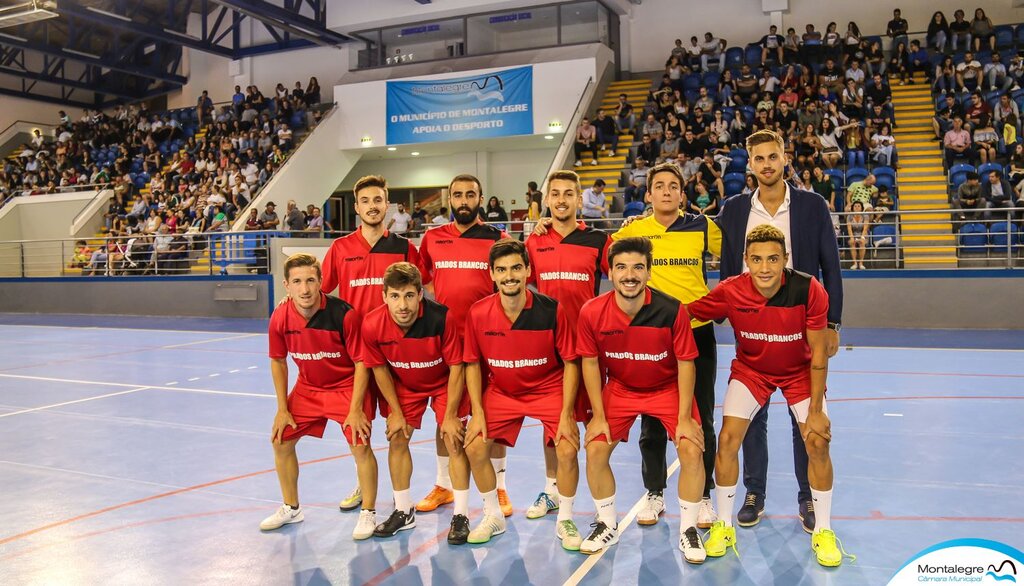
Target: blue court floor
137,454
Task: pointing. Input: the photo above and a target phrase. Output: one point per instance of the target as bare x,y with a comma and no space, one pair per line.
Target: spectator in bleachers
692,145
401,222
710,175
269,219
675,72
312,94
851,42
982,31
822,185
702,201
653,129
806,146
998,194
636,187
957,141
943,120
746,87
874,60
786,120
918,61
996,75
855,73
625,120
419,214
938,32
882,146
586,140
986,139
594,205
969,73
899,64
1016,166
699,123
852,99
857,230
882,205
253,221
713,48
771,45
968,199
945,76
862,192
977,108
792,46
678,51
810,46
1010,125
831,77
670,147
607,133
718,130
1005,108
829,137
896,30
648,150
726,87
704,100
693,53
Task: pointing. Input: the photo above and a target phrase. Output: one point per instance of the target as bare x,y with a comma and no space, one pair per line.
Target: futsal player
415,351
321,334
525,341
780,317
638,339
566,263
455,260
355,264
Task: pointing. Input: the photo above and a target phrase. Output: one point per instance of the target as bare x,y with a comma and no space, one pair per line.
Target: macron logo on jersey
565,276
643,357
314,356
763,337
414,365
366,282
522,363
461,264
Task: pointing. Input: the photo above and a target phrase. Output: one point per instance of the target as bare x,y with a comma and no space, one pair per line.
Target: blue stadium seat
987,168
884,236
973,237
733,57
958,173
738,164
1003,234
692,82
734,183
633,208
711,78
855,174
752,55
885,176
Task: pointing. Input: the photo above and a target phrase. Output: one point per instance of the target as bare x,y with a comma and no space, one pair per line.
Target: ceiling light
392,148
548,137
415,153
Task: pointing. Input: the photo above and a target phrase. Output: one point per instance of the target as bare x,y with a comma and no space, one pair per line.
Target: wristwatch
835,326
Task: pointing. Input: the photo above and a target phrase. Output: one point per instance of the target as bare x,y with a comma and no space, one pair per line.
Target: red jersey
458,265
569,269
357,270
639,354
325,348
522,357
419,358
771,334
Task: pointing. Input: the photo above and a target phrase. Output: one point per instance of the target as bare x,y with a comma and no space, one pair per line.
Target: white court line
135,390
155,387
624,524
225,338
892,414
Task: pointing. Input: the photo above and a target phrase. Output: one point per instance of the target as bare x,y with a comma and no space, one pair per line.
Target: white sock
822,509
688,514
462,502
499,471
402,501
491,506
444,479
565,507
606,511
551,487
725,498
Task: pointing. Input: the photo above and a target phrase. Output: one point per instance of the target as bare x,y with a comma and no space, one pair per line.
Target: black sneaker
807,515
751,511
459,531
398,521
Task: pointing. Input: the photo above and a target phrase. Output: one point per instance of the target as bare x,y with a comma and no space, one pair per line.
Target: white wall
353,15
14,109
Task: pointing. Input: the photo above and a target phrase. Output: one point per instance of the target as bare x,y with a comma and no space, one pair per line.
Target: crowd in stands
172,173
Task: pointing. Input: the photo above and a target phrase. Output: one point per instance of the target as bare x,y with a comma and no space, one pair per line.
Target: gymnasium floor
141,456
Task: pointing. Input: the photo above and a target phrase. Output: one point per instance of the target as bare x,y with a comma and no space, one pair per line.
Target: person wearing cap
269,219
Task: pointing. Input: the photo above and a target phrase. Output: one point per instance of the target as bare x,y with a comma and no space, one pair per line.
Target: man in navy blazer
803,217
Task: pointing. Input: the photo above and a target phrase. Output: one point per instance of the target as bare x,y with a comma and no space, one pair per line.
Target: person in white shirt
594,201
441,218
712,48
399,223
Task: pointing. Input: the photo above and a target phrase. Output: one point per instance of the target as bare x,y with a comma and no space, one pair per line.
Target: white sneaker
577,163
353,501
282,517
542,506
692,546
365,526
706,516
594,162
653,508
611,153
489,527
570,536
601,538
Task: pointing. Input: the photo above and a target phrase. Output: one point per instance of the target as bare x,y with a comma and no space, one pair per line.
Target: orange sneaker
438,497
506,505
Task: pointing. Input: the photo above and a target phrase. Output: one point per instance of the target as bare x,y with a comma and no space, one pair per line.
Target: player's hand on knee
689,430
541,227
596,428
477,427
818,423
453,432
396,424
282,420
568,431
359,424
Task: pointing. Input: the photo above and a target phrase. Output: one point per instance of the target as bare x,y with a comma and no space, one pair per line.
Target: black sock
294,507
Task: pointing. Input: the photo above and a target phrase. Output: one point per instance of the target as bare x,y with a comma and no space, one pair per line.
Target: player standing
525,341
780,318
321,334
639,340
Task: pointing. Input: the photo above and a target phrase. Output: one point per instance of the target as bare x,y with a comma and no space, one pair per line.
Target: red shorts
621,408
795,388
505,414
414,404
312,409
583,410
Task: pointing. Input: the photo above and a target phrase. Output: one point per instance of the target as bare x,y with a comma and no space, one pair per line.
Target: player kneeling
639,340
321,334
415,350
780,317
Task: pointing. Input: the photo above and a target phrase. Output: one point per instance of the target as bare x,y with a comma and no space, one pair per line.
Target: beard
464,215
511,293
639,291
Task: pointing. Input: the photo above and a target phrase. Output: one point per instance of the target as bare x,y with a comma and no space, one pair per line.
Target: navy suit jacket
814,247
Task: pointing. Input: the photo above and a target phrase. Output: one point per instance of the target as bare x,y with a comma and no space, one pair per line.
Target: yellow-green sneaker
353,501
720,539
829,549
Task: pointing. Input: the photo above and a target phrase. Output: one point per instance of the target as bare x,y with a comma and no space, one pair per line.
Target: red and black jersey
771,334
522,357
357,270
642,353
325,348
458,265
419,358
569,269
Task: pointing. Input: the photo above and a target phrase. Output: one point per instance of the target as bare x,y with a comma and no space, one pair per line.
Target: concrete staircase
927,239
611,168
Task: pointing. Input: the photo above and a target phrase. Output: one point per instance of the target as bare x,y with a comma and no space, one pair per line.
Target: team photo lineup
489,331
